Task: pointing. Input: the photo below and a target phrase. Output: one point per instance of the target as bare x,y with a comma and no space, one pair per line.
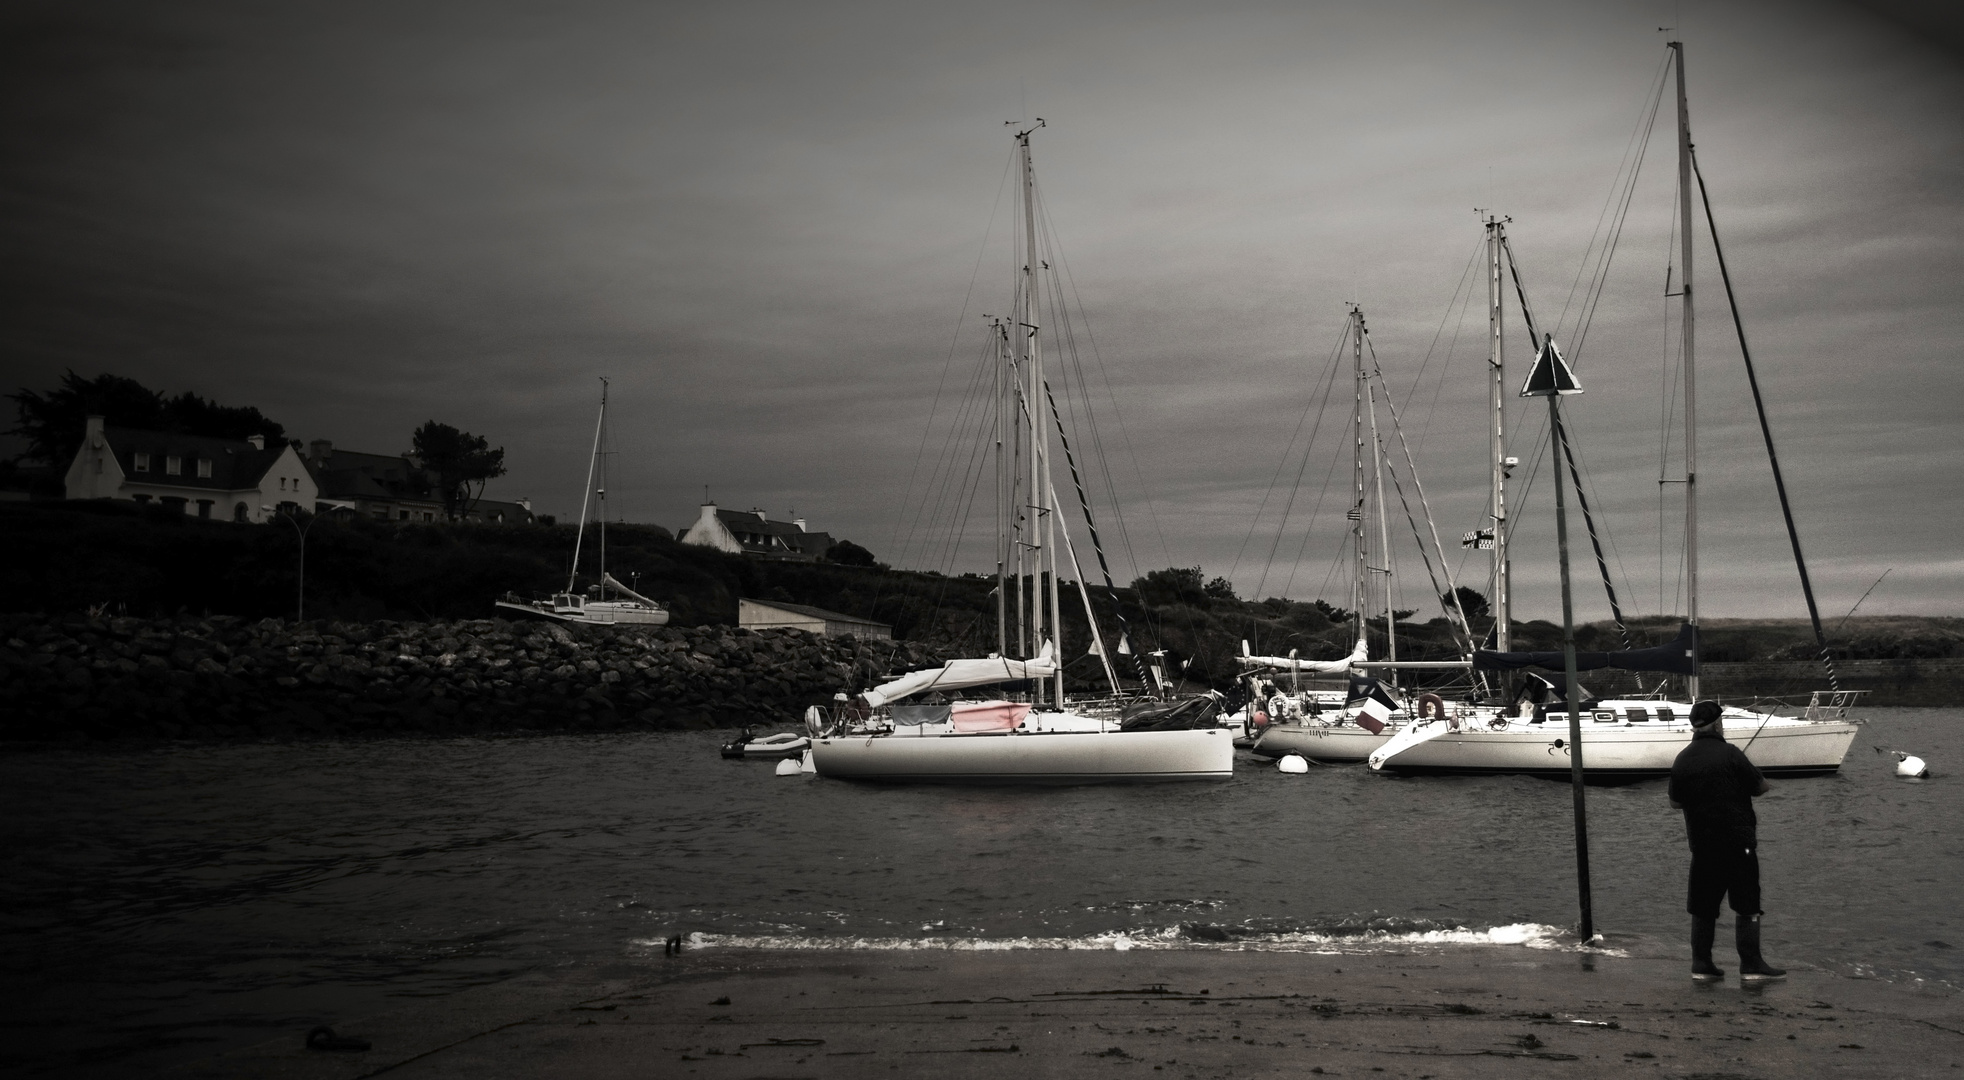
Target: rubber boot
1752,966
1703,933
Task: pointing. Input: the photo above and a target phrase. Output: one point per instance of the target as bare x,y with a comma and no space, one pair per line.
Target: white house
772,615
749,532
221,479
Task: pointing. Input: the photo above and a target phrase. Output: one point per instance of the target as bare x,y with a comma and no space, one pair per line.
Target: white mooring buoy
788,767
1911,766
1292,763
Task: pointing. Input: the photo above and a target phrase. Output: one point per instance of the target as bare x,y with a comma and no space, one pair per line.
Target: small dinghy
783,744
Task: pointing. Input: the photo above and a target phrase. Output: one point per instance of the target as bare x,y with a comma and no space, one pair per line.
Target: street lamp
293,518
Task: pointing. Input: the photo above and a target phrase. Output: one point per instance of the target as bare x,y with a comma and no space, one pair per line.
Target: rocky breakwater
76,677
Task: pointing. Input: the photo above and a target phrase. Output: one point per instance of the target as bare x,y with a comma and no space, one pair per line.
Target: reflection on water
165,903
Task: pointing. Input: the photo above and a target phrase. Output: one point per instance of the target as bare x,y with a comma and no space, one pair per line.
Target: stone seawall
1888,682
71,678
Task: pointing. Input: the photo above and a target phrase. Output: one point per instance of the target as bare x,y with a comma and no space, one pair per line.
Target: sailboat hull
1320,742
596,613
1024,758
1621,752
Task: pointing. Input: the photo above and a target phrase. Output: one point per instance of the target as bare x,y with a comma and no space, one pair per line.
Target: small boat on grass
606,602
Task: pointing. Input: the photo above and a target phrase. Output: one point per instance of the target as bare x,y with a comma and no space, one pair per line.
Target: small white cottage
221,479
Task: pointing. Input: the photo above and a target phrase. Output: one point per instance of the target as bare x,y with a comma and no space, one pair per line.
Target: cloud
764,222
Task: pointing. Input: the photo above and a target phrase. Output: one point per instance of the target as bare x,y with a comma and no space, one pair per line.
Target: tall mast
1690,381
1032,391
586,494
1497,432
1384,532
1362,571
600,457
1003,485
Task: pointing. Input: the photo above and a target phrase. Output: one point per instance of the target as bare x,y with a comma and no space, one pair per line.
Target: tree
847,553
1221,589
193,415
457,459
1471,601
1175,585
1331,611
53,422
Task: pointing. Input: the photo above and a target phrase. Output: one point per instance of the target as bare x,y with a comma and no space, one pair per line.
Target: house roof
236,465
815,612
485,508
743,523
350,474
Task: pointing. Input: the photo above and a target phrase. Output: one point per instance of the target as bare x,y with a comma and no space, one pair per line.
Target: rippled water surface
167,903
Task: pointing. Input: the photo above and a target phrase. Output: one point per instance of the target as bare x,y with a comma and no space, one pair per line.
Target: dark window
239,512
204,508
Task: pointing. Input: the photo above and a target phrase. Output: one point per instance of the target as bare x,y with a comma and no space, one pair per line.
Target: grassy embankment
67,557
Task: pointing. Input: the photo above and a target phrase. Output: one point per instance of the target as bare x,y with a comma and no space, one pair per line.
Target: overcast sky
763,221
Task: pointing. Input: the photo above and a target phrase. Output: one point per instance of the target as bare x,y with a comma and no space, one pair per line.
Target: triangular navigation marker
1551,375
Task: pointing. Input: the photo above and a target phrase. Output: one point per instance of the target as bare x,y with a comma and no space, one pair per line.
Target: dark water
164,904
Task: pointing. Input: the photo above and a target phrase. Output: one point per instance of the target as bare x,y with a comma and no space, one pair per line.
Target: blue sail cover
1677,657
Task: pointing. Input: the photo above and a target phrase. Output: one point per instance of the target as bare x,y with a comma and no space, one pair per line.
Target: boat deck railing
1832,704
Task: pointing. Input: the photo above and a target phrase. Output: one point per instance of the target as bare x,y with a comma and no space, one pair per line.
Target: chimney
319,451
92,434
258,441
759,513
800,523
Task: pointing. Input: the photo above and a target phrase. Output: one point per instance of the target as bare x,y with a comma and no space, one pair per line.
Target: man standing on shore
1714,784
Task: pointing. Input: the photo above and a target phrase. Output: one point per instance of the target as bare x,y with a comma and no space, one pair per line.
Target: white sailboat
1634,738
1323,725
607,602
1042,740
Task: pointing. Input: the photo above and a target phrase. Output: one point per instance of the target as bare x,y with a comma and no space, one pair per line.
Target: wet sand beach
1461,1012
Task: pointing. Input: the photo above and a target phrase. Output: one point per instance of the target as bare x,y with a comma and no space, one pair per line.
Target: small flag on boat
1551,376
1124,645
1482,539
1356,512
1374,705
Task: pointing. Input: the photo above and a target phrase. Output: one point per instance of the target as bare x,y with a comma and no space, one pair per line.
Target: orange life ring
1431,707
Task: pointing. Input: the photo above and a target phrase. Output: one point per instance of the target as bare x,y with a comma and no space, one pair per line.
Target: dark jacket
1715,784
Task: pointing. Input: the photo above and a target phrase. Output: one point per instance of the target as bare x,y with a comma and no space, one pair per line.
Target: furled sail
1306,667
1677,657
961,674
614,583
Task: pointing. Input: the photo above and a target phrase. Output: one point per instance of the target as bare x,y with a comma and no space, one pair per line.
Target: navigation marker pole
1552,379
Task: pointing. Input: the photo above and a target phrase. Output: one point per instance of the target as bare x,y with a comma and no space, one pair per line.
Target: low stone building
225,479
772,615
